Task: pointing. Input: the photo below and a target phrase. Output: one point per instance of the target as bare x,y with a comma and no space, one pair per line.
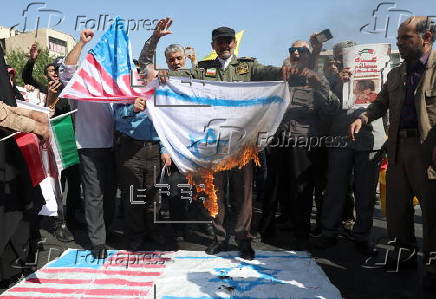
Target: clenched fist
139,105
86,35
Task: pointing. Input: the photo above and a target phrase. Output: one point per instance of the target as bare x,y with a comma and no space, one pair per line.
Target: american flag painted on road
76,274
178,275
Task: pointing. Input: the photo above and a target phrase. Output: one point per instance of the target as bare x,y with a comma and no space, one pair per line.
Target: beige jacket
16,119
392,97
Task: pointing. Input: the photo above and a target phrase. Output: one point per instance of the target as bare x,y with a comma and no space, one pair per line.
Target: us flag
76,274
108,74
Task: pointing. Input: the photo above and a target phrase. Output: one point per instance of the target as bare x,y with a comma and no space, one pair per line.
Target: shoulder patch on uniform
246,58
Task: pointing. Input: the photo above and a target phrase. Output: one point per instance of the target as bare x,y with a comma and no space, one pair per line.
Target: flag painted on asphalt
178,275
76,274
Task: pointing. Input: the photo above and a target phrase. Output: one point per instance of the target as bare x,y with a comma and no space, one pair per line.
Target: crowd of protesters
120,149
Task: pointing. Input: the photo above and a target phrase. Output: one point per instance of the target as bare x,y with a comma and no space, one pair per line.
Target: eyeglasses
300,50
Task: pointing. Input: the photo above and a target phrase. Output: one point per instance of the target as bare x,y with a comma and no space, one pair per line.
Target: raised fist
86,35
34,52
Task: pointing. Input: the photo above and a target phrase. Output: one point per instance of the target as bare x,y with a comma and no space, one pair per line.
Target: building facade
57,42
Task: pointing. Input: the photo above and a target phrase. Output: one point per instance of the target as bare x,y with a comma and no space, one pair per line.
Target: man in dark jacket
294,160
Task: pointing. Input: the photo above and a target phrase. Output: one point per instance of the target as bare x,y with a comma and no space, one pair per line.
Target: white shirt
94,122
225,62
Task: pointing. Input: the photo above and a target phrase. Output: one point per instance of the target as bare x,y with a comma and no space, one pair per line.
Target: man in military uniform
228,67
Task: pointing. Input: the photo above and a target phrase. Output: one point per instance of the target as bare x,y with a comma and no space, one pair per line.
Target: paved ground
341,263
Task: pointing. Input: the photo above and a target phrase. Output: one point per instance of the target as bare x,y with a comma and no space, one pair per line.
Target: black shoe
316,232
288,225
366,248
324,242
159,238
40,245
245,250
216,247
429,281
135,246
188,234
99,251
208,230
347,234
36,244
282,219
63,234
268,235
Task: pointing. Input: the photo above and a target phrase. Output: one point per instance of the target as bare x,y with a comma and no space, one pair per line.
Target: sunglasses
300,50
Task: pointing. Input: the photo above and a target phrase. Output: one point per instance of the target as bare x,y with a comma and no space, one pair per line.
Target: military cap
223,32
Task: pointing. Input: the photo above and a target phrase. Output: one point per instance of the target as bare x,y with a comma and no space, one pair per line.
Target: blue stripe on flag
80,259
219,102
113,50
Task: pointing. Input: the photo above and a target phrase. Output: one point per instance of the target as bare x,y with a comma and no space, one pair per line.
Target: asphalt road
341,263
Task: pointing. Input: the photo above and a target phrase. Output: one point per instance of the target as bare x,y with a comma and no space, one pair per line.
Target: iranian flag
62,150
46,161
63,141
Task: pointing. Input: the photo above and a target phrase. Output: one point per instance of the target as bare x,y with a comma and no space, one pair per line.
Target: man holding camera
304,122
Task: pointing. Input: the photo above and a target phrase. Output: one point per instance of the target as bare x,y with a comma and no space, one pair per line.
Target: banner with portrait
369,66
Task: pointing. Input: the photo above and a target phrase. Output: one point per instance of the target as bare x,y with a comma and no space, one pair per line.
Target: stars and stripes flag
177,275
107,73
76,274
